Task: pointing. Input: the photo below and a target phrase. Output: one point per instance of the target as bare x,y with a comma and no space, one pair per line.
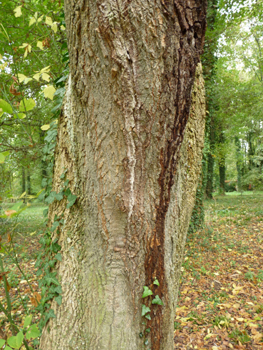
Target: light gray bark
120,136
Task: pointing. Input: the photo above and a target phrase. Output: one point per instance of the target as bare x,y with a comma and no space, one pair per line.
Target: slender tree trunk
221,160
210,161
28,183
23,180
222,177
238,164
126,109
251,150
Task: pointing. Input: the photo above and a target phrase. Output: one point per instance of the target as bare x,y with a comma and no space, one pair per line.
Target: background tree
31,37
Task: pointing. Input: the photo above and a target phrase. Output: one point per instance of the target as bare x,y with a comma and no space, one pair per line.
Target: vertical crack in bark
191,33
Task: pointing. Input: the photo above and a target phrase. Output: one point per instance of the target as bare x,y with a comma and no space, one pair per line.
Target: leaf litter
220,302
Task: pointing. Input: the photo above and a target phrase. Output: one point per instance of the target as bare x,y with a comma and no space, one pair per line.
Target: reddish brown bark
191,30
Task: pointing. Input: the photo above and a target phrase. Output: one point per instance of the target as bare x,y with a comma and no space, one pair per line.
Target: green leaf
157,300
6,153
2,342
16,206
58,289
59,196
72,199
51,280
58,257
148,330
6,107
33,332
21,115
50,199
59,299
8,348
145,310
27,105
156,282
27,321
16,341
146,342
148,317
146,292
2,158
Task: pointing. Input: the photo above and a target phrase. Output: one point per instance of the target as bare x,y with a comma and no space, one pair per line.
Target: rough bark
127,105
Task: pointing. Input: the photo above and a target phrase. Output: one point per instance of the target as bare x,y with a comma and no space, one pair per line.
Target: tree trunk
210,162
28,183
238,164
221,159
126,109
23,180
222,178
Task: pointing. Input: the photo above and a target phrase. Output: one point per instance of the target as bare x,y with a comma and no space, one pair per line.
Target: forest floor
221,295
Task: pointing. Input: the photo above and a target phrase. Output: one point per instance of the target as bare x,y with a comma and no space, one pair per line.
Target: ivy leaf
72,199
157,300
33,332
146,292
156,282
148,317
6,107
58,257
59,299
50,199
16,341
145,310
51,280
59,196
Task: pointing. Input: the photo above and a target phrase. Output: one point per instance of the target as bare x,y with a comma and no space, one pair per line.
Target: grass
20,237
